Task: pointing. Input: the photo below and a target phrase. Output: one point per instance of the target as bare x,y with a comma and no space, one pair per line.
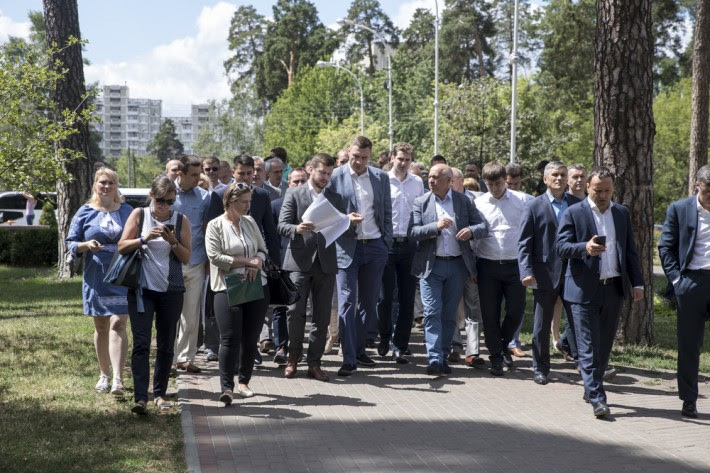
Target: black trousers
239,329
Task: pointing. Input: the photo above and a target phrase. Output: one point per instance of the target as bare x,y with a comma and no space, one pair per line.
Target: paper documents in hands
326,219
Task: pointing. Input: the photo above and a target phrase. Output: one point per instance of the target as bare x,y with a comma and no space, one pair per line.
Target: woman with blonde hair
95,231
235,246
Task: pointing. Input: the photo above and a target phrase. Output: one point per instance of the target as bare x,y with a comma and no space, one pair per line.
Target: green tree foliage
165,145
295,38
231,129
528,34
246,41
370,14
338,136
143,169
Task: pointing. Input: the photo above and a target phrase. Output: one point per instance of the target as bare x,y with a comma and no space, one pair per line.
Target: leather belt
400,239
607,281
367,240
500,261
447,258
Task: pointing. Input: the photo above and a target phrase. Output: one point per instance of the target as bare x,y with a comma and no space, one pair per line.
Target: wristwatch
174,245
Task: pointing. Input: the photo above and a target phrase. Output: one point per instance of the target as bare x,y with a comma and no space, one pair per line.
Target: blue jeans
441,292
358,289
398,274
167,307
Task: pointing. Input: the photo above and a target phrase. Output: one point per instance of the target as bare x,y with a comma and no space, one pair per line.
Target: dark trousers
280,327
239,328
567,338
319,286
167,307
544,303
358,290
211,337
397,274
693,296
595,325
495,283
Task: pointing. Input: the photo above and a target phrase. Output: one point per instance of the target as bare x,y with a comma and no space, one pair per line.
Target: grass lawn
50,417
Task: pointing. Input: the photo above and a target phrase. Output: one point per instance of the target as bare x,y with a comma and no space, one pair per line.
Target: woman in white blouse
235,246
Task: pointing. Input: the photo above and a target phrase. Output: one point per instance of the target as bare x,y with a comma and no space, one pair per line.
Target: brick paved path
396,419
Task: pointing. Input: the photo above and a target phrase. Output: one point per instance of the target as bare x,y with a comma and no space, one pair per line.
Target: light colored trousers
470,312
186,342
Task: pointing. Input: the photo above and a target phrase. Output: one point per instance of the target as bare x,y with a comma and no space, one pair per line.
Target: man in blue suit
540,267
442,223
361,250
683,248
597,277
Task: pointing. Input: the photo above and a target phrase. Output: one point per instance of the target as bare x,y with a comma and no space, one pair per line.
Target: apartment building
188,128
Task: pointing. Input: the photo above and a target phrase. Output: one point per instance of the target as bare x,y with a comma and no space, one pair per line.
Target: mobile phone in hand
600,240
170,227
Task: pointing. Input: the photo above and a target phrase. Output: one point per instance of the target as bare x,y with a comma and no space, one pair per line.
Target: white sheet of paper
326,219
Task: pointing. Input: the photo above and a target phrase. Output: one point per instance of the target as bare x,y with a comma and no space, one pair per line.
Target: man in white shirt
404,188
498,274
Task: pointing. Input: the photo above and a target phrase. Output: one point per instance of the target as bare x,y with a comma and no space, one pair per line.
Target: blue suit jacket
422,228
341,183
582,276
537,255
675,247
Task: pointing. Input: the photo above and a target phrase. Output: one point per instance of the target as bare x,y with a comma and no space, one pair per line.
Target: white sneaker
102,385
117,387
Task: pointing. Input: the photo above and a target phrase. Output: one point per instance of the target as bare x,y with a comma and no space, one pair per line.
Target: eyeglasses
162,201
299,181
242,186
211,169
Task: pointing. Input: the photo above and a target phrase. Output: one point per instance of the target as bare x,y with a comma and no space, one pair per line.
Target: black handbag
282,291
125,270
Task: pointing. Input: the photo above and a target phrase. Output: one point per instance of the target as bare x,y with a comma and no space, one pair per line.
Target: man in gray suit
362,250
442,223
313,266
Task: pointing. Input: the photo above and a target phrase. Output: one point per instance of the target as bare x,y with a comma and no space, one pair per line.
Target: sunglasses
162,201
211,169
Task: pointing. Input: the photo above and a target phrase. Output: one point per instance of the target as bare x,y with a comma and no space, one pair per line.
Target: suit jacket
537,255
276,211
275,192
422,229
260,211
582,276
675,247
341,183
302,249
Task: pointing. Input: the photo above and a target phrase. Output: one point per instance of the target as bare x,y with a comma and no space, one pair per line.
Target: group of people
456,249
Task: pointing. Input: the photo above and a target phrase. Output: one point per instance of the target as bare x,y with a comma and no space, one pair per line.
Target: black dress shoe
585,397
609,374
408,352
507,359
383,348
370,344
600,409
257,359
540,378
365,360
497,367
445,368
399,357
689,410
347,370
434,369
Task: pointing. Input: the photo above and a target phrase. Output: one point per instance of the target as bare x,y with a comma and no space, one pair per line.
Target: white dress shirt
609,260
503,216
365,197
446,242
701,249
403,194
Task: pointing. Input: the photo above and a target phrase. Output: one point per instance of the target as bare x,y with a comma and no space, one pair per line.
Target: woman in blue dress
95,231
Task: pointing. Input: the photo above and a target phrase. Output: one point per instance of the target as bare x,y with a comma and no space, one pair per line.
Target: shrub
48,217
28,246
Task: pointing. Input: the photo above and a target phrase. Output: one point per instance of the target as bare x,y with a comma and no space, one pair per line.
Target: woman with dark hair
166,241
95,229
235,246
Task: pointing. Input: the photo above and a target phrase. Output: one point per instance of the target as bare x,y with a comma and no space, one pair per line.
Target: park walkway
397,419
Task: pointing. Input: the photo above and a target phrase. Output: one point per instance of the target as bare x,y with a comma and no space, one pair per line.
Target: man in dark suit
683,248
313,266
597,277
442,223
362,250
539,265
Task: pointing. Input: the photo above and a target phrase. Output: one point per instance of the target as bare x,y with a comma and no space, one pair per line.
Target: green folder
239,290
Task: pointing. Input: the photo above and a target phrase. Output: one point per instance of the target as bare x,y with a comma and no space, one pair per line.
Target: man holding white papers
312,263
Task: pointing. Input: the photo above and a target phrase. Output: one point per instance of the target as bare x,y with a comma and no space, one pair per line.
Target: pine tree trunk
701,90
624,130
61,19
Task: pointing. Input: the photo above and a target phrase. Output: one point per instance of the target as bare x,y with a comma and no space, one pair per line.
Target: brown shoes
517,352
291,366
188,366
316,373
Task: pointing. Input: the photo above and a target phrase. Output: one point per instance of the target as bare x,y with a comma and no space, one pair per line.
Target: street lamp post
359,84
436,79
514,84
389,72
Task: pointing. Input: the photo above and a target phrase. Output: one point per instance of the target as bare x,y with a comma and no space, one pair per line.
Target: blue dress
89,223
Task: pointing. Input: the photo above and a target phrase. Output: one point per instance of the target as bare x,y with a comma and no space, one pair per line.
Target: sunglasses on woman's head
241,185
164,201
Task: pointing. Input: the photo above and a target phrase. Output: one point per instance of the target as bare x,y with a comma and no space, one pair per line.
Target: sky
171,50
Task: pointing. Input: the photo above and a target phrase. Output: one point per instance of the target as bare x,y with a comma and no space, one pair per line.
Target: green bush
28,246
48,218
